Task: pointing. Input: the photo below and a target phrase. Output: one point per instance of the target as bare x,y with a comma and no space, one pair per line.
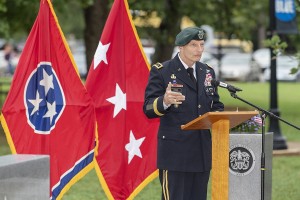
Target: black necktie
191,74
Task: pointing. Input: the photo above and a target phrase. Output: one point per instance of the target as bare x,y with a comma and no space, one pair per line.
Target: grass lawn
286,173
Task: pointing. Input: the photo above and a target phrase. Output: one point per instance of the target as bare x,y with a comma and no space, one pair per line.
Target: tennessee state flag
48,110
117,78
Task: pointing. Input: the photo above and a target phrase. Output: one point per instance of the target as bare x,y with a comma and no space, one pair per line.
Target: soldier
178,91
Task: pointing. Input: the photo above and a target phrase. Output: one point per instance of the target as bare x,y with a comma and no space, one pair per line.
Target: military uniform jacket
182,150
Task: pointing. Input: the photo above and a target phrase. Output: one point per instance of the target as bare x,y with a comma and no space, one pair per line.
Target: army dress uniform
182,150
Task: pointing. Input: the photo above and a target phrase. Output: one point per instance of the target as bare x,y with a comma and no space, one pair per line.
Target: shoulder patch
158,65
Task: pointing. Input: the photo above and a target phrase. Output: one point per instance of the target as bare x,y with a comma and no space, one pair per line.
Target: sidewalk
293,150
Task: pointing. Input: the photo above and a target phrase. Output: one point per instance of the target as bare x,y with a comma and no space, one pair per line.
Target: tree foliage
246,20
17,16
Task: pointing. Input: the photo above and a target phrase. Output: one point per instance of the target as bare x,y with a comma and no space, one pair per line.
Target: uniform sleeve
217,105
154,94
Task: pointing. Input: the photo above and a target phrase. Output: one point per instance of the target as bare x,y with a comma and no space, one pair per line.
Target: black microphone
230,88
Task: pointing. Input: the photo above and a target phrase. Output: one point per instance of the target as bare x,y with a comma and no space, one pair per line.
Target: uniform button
163,137
199,106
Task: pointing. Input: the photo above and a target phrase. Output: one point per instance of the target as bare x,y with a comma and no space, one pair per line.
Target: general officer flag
117,78
48,110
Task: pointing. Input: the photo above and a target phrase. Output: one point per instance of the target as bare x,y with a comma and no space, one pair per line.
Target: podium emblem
241,160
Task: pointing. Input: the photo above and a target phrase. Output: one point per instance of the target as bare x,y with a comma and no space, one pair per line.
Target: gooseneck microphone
230,88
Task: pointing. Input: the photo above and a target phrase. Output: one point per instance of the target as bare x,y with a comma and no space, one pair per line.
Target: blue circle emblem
285,10
43,98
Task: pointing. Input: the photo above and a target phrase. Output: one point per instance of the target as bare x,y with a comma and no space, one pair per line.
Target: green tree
16,17
230,18
246,20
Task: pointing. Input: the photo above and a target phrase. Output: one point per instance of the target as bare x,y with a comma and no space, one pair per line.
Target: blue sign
44,99
285,10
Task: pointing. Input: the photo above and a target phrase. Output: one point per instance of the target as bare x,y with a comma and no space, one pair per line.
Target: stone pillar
245,166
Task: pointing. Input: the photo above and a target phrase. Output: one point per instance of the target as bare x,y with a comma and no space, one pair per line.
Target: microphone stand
263,116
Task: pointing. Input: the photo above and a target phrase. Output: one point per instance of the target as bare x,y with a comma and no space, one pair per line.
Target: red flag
116,81
48,110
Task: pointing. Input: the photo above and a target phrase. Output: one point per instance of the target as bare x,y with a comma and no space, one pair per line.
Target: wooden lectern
219,123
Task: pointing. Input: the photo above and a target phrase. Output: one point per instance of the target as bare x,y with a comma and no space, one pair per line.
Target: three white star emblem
133,147
100,54
119,100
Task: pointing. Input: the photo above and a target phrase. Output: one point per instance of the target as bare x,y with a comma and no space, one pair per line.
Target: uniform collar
185,65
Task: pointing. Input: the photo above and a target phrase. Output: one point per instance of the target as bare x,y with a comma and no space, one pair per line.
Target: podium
220,123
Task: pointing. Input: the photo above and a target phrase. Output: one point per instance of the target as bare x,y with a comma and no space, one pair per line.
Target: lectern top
205,121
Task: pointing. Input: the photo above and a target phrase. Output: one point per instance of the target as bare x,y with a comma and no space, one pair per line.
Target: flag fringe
135,34
8,135
150,178
137,190
63,38
76,178
96,139
103,182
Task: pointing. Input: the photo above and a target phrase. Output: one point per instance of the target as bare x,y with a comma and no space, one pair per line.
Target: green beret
188,34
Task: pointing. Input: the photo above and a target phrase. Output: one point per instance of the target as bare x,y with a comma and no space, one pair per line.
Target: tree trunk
95,17
168,29
261,30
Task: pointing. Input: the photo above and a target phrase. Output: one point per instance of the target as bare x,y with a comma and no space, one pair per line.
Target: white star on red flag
119,100
133,147
100,54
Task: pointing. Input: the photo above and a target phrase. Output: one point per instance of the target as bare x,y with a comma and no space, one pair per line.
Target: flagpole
279,142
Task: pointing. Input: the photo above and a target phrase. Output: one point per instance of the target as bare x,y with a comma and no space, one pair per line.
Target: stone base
245,167
24,177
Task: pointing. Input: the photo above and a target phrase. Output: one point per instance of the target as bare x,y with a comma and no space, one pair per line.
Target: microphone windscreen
215,82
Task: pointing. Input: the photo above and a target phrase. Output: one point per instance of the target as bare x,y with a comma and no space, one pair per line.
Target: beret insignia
201,35
188,34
